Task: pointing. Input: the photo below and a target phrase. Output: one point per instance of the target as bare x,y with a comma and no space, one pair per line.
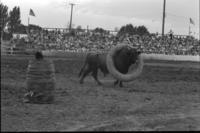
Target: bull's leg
85,73
116,82
120,84
94,74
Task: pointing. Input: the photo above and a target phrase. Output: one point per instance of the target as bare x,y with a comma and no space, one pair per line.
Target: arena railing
68,53
194,58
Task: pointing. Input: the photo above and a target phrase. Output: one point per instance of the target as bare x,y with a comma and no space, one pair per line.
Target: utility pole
189,32
163,22
70,25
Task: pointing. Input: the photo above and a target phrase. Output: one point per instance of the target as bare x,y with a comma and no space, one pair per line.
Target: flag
31,12
191,21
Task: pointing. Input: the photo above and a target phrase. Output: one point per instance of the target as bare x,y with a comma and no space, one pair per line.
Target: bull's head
129,54
132,54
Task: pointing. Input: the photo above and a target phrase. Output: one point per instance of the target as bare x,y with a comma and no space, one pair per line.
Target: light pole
70,25
163,20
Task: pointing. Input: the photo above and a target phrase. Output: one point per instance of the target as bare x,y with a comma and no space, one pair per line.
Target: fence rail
68,53
195,58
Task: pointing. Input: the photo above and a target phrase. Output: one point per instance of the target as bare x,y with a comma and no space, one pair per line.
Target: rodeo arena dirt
41,89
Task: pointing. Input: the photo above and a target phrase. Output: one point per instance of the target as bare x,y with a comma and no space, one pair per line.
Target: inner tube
115,73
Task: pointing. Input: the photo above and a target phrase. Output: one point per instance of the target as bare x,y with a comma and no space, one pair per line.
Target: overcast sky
109,14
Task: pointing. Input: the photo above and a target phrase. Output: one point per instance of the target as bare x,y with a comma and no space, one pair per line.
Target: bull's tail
81,71
85,63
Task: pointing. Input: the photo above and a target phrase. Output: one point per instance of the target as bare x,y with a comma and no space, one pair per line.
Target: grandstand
88,40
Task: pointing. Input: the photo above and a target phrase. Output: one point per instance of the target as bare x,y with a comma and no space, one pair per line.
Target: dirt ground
166,97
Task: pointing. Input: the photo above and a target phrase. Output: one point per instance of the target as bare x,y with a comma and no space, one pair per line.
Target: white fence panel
195,58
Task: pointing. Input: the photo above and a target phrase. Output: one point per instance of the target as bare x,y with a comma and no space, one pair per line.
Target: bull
122,59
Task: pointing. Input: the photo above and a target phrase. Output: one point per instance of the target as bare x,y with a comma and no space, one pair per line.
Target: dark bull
123,59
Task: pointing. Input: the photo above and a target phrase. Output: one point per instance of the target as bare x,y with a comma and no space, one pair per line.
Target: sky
111,14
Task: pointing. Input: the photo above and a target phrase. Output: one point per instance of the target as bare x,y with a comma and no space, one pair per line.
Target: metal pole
28,21
189,28
163,21
87,28
70,25
28,28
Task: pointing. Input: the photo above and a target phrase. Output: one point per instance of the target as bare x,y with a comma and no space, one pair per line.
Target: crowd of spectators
90,41
167,45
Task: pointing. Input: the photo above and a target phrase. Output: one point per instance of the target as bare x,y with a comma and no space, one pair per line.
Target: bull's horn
115,73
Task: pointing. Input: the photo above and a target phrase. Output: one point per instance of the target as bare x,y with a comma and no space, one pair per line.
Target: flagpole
28,20
189,26
28,26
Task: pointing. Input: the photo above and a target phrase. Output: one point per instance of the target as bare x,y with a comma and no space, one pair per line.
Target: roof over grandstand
110,14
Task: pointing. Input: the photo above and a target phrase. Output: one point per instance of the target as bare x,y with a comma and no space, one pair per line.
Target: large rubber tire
115,73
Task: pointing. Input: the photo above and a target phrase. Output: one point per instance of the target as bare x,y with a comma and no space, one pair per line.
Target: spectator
103,42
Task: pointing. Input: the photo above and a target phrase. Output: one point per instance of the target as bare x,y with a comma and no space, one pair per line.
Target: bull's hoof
116,82
100,84
81,82
121,85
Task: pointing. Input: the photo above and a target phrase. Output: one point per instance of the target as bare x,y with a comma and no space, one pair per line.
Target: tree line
126,29
11,19
133,30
